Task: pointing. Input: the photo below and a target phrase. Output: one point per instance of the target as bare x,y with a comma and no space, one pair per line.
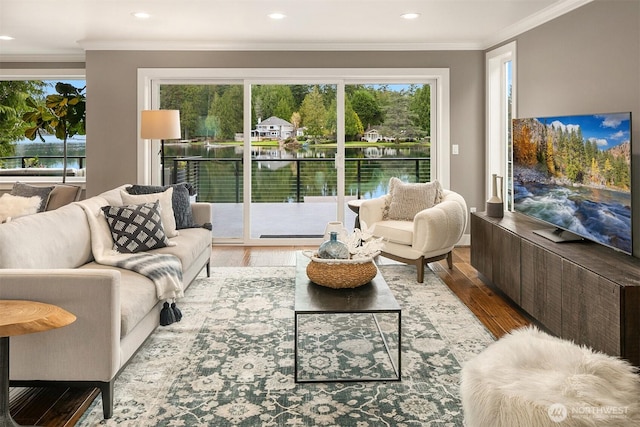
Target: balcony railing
47,165
290,180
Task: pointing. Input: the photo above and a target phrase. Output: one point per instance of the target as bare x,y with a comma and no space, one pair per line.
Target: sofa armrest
201,212
371,211
90,344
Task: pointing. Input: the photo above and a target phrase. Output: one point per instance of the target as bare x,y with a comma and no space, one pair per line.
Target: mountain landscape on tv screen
575,172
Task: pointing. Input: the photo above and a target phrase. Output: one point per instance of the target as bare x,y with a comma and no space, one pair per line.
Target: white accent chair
430,237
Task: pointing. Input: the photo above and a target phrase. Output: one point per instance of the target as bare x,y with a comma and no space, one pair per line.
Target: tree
367,108
352,124
313,113
420,106
63,115
13,104
273,100
228,111
295,121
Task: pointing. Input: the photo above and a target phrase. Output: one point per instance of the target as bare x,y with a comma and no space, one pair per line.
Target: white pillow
166,207
407,199
15,206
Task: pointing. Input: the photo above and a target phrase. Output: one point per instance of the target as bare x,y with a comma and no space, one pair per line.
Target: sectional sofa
49,257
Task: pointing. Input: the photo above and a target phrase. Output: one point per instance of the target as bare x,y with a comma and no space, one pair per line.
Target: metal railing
290,180
44,161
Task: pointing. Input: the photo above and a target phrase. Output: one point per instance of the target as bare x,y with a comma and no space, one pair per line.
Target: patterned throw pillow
409,199
25,190
136,228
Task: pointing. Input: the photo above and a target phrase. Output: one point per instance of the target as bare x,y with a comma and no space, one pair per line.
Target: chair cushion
394,231
408,199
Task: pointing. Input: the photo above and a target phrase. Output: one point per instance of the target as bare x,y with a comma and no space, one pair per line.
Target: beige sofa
48,257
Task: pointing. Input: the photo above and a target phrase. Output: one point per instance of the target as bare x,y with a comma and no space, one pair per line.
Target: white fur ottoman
531,379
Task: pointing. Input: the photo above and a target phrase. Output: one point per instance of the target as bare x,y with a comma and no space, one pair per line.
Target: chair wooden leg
420,269
450,260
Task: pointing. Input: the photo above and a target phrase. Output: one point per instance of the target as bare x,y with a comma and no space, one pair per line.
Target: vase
495,205
333,248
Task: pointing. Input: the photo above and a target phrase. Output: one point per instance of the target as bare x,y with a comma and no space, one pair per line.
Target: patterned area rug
229,362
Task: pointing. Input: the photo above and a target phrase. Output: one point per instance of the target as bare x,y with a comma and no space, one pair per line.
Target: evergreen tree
313,113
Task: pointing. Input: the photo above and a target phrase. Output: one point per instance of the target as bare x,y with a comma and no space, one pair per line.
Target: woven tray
341,274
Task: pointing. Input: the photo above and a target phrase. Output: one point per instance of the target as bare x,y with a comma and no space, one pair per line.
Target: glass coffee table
362,307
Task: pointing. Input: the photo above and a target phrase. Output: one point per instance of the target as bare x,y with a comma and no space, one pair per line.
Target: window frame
6,182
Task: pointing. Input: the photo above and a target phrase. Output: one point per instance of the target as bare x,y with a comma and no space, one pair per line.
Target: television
574,173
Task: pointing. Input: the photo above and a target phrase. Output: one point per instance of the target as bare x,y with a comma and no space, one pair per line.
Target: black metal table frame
396,368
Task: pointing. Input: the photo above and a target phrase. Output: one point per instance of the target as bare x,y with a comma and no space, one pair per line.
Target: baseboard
465,240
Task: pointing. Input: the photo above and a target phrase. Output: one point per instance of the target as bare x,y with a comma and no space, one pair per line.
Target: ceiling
64,29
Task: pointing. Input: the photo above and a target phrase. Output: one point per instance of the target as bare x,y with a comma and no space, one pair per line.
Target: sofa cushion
17,206
25,190
188,245
137,296
136,228
53,239
181,202
408,199
166,207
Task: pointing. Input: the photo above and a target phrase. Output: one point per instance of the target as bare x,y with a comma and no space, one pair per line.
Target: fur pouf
531,379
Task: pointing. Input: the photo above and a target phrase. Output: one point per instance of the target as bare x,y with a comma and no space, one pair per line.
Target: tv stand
587,293
558,235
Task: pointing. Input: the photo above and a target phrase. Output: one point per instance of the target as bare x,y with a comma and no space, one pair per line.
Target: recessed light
277,15
141,15
6,38
411,15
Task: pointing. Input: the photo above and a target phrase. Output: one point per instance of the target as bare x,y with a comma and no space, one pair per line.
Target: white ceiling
65,28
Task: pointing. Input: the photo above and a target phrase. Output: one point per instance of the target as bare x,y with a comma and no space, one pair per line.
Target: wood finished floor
63,407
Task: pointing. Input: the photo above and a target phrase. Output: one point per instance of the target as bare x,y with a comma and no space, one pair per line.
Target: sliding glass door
279,157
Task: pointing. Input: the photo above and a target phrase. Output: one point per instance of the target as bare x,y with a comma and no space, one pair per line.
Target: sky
608,130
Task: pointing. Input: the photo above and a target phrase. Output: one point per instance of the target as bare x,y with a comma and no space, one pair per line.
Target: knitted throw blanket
164,270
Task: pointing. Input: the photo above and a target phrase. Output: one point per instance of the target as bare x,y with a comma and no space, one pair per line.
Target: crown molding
197,45
79,57
532,21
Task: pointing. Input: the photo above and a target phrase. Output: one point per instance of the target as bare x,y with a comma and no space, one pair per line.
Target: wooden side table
20,318
354,205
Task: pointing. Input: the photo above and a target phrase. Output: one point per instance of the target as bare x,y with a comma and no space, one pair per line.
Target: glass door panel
387,134
293,150
209,156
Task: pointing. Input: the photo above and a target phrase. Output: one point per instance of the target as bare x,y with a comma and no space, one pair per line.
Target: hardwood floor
57,407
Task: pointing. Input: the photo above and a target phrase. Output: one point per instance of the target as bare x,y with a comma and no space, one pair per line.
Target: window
501,96
36,160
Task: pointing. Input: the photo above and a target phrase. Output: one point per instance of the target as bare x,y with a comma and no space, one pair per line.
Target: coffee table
373,298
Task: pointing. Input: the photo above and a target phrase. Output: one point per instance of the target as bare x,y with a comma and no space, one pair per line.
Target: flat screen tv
574,173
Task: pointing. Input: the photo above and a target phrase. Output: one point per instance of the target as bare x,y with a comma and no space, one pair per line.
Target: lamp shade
160,124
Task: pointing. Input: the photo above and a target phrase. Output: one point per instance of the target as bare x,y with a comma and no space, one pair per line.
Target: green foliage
421,108
227,109
313,113
63,114
13,104
365,105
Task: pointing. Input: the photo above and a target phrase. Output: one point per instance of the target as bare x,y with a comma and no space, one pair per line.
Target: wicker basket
341,274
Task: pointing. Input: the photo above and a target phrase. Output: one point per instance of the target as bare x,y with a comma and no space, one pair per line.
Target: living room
585,61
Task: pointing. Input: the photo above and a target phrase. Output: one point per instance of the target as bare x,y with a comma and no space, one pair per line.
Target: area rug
229,362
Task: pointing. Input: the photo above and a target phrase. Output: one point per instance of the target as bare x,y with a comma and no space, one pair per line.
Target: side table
20,318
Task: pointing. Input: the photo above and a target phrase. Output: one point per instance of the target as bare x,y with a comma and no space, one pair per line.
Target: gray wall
586,62
112,85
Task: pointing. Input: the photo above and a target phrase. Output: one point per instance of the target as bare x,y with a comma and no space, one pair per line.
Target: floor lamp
160,124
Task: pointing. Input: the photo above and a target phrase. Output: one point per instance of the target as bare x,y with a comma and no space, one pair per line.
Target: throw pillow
409,199
166,207
14,206
180,201
26,190
136,228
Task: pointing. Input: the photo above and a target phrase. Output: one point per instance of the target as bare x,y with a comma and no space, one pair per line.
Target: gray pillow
180,201
409,199
136,228
26,190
